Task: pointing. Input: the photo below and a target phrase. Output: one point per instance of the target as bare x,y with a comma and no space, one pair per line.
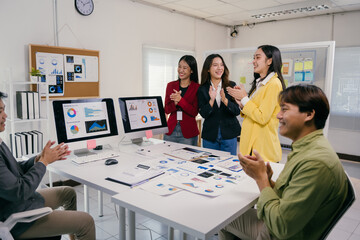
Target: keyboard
94,157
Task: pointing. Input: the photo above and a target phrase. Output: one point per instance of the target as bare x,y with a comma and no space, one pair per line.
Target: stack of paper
136,176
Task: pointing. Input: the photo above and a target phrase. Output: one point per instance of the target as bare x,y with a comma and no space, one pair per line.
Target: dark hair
275,66
205,75
3,95
308,98
191,61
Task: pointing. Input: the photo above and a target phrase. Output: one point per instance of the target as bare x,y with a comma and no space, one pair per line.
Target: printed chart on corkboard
69,72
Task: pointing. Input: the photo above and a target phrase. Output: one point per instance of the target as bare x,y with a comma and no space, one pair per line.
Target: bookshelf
16,123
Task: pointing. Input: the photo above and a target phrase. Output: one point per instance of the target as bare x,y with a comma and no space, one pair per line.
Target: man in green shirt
312,186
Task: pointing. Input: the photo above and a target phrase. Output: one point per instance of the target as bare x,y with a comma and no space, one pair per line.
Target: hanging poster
308,64
81,68
51,66
299,65
287,67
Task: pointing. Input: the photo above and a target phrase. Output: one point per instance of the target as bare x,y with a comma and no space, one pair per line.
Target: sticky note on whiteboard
243,80
299,76
299,66
308,64
309,76
149,134
91,144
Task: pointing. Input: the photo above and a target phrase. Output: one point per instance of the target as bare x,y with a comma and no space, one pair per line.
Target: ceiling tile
351,7
345,2
253,5
199,13
199,4
222,9
222,20
239,16
231,1
290,1
158,2
236,12
176,7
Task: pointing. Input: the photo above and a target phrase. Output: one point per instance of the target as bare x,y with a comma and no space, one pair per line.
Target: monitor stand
133,145
137,141
83,152
141,142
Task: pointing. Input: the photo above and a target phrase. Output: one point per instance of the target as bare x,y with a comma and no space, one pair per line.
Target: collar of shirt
218,97
263,82
1,141
306,140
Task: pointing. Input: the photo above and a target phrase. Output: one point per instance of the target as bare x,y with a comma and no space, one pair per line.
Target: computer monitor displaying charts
141,114
83,122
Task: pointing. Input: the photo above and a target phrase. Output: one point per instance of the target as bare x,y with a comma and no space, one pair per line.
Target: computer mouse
111,161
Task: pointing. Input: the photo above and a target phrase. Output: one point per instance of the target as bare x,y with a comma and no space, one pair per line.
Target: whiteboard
345,102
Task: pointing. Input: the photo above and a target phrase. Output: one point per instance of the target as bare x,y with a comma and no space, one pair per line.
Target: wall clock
84,7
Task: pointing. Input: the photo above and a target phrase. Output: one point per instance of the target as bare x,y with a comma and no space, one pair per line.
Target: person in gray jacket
18,192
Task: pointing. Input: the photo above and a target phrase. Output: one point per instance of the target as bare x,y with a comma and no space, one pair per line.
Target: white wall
117,28
342,28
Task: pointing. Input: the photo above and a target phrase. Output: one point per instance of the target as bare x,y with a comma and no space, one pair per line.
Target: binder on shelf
29,143
40,140
23,143
18,152
11,144
22,105
30,98
34,137
25,149
32,143
36,105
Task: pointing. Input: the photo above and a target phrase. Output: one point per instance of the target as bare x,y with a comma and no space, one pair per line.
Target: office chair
25,217
350,199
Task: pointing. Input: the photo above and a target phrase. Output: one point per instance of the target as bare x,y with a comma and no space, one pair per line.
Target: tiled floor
107,227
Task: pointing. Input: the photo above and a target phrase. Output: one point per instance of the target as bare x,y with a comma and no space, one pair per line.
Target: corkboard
71,89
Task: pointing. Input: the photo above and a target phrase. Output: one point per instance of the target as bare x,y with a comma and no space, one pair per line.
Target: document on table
211,182
187,153
161,186
233,164
202,176
136,176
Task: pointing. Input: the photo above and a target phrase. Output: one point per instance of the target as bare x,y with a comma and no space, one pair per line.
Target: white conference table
93,175
193,214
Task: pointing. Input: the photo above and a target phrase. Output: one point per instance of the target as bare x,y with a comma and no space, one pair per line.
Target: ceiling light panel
308,9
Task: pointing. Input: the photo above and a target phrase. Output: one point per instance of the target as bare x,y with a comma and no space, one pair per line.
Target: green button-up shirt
308,193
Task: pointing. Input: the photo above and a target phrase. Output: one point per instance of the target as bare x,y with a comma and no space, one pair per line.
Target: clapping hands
176,96
50,155
238,92
256,168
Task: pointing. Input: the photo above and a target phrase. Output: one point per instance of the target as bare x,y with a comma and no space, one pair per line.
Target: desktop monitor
141,114
82,123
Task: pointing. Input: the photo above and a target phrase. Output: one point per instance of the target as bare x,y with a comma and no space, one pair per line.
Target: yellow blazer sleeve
261,107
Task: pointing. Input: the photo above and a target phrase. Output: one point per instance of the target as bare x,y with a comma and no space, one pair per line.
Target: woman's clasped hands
176,96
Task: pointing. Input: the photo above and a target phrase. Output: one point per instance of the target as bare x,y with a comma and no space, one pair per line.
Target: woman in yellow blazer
260,107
